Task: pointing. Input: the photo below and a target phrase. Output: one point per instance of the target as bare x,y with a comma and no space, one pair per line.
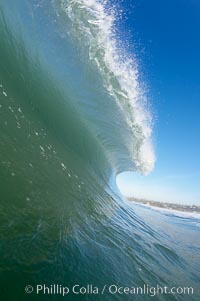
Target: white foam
63,166
42,148
93,24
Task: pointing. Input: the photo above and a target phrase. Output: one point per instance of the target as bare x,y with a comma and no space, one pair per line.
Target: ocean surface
73,115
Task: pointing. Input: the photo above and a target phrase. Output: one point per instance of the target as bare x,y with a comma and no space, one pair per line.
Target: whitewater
74,114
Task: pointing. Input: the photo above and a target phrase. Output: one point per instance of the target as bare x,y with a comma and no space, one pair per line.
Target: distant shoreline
169,206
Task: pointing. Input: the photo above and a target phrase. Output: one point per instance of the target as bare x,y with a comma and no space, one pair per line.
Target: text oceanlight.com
113,289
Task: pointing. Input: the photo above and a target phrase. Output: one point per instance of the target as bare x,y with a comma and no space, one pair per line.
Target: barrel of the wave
61,144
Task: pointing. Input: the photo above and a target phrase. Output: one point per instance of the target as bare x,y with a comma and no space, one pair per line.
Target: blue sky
166,36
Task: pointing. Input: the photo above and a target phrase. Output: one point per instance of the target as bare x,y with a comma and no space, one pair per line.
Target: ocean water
73,115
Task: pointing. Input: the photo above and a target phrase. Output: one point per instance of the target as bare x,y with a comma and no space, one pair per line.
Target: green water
62,142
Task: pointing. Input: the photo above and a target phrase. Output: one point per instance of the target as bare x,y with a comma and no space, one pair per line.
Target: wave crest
92,25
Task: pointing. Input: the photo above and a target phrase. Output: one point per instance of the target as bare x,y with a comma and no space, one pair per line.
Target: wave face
73,115
92,29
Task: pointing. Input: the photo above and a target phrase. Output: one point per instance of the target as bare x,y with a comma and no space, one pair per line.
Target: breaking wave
73,115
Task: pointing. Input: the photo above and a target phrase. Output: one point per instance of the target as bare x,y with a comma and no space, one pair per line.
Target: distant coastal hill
179,207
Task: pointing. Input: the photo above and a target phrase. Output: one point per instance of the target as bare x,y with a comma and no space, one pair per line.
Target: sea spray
63,139
92,26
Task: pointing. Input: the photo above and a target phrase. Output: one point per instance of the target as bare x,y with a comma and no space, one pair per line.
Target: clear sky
166,35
